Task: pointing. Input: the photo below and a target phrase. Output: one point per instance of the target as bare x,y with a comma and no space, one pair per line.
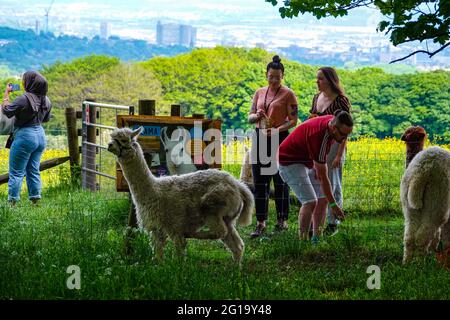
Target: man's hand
338,213
337,162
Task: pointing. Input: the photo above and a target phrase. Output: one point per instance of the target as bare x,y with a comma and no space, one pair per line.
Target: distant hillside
220,83
23,50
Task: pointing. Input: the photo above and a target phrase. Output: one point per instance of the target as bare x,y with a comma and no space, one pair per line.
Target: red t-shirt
309,142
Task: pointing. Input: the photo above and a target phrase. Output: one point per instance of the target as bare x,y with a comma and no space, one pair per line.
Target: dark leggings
262,186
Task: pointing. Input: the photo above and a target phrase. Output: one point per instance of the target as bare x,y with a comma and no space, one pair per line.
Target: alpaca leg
424,237
180,245
436,238
159,240
217,229
234,242
409,243
445,233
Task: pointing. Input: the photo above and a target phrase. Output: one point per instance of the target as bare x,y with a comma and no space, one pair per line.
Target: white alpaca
178,160
179,207
425,198
246,170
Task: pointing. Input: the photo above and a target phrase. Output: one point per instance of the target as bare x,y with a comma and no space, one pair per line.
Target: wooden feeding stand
150,141
152,147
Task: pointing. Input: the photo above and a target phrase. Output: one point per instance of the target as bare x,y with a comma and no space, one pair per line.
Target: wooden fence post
175,110
72,141
145,107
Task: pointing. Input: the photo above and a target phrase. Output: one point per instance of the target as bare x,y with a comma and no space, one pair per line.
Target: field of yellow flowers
50,178
372,171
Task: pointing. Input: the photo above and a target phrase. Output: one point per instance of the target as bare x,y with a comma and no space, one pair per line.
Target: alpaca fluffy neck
412,148
141,181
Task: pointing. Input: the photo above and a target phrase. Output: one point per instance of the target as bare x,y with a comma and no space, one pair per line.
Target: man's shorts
302,181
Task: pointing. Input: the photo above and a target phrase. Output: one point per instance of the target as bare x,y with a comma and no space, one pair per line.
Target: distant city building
261,45
175,34
105,30
37,28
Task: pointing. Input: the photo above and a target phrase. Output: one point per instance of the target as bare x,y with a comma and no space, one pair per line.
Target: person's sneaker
35,201
259,230
12,202
315,240
331,229
281,225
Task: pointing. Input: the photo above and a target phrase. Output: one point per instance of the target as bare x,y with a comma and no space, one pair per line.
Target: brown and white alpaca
180,207
425,195
246,175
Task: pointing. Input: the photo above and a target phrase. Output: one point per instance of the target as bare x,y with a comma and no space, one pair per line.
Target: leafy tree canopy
404,20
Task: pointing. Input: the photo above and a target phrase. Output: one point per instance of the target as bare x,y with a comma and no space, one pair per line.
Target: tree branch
422,39
430,54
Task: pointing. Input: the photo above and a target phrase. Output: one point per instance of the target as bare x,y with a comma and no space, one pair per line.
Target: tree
405,20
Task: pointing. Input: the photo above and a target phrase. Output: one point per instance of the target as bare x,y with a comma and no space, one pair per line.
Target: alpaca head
415,139
124,143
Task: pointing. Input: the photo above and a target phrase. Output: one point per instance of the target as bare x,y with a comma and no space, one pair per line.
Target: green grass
72,227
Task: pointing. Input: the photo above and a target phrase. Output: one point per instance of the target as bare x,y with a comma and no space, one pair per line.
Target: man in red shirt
302,165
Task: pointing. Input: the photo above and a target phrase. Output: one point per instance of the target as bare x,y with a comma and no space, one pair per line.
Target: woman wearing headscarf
30,110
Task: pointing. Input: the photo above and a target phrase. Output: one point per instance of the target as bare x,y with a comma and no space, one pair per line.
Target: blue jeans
24,159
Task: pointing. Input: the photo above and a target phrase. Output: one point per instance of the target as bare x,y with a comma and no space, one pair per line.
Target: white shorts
302,181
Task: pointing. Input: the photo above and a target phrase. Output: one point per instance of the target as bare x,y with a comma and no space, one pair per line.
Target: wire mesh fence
372,170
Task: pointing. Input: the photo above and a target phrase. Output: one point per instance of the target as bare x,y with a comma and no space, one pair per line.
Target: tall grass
73,227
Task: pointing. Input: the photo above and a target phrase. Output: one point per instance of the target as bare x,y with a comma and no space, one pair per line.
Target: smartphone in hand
15,87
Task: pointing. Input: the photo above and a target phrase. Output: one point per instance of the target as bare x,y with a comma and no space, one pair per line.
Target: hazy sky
185,10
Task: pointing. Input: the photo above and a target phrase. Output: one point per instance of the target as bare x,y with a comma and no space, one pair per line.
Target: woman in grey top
30,110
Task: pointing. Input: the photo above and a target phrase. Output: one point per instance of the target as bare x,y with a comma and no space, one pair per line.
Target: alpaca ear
163,137
136,133
183,134
404,137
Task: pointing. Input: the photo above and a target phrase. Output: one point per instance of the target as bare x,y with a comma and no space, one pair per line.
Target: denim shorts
302,181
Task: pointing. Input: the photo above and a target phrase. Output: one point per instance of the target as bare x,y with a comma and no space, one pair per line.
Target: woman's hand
260,113
337,162
8,89
313,115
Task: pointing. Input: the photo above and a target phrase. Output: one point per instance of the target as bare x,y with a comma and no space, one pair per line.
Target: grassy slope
75,228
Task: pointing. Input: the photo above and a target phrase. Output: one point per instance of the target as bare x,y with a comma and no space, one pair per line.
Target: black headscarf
36,87
35,83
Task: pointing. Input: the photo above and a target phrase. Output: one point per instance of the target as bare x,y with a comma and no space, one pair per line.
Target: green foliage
220,83
102,78
406,20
